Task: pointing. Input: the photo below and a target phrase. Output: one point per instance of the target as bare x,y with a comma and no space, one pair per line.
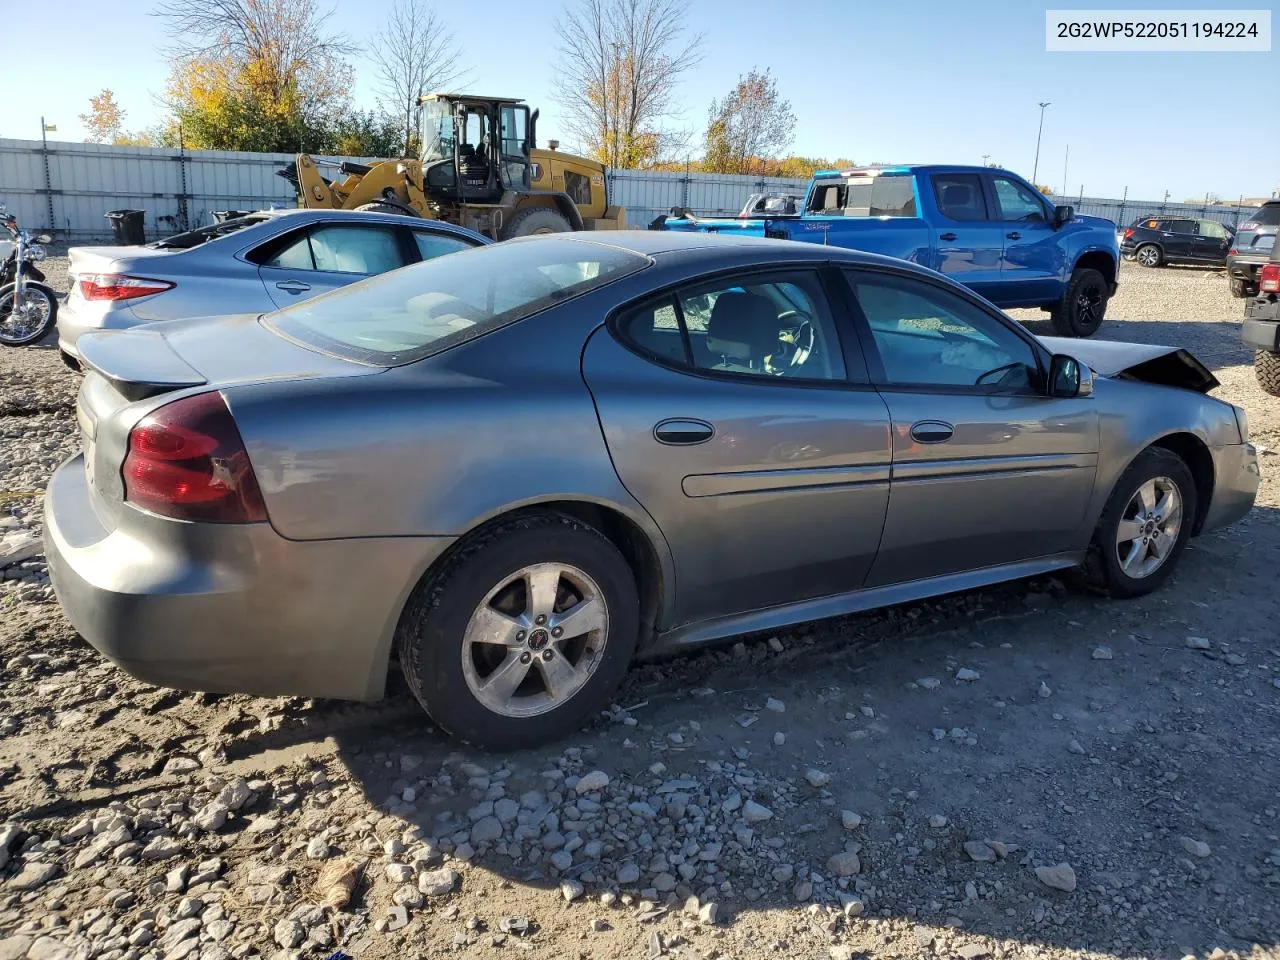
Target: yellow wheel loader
479,169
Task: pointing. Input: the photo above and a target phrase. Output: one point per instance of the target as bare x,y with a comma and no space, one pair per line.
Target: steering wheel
799,343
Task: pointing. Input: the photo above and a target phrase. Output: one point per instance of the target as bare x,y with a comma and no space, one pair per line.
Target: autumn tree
749,127
104,122
255,74
414,54
620,62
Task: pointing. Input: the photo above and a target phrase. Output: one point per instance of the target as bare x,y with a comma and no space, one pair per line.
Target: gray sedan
519,468
256,263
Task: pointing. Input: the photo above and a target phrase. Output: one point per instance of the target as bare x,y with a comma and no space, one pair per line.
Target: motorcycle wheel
26,321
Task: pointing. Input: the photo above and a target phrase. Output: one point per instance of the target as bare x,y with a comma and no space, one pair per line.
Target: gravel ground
1025,771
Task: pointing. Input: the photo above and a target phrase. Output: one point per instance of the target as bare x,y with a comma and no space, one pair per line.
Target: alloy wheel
535,640
1149,527
1149,256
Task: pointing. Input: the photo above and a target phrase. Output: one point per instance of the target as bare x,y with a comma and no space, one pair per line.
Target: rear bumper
1261,327
1236,478
229,608
1246,268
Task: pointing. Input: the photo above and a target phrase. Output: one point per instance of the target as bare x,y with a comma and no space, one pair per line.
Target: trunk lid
128,373
1150,363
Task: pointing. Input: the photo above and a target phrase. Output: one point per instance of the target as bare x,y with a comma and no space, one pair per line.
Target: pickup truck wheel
1266,367
1081,310
1149,255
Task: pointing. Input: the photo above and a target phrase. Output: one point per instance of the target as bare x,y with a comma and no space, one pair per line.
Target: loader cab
475,149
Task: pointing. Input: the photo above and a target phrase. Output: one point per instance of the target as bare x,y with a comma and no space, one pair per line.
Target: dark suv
1154,241
1261,328
1251,248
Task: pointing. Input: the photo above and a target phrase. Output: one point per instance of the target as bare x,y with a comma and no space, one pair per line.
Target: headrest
743,326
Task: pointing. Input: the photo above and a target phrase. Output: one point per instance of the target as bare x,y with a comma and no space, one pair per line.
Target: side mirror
1068,377
1063,215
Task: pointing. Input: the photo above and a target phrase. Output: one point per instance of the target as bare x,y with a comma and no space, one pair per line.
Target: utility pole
1036,168
1066,156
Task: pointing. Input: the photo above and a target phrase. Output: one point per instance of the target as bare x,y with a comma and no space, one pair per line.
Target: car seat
742,330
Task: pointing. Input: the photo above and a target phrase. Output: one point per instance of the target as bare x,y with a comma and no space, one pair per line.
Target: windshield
437,131
193,238
407,314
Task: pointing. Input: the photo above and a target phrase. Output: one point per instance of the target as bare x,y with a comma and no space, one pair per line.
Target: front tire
528,629
1149,255
381,207
1144,526
1083,307
29,321
1266,367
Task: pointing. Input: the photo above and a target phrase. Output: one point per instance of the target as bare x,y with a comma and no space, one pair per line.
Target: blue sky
904,81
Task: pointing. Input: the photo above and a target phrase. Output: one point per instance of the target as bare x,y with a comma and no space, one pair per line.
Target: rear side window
959,196
1185,226
332,248
432,245
886,195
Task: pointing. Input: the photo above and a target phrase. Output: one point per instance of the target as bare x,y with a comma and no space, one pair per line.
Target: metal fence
68,187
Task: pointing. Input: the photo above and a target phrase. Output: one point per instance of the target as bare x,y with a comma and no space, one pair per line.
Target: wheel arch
636,538
1194,452
1100,260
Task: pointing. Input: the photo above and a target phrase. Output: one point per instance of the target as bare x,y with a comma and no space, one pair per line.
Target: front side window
959,196
777,326
1016,202
408,314
928,337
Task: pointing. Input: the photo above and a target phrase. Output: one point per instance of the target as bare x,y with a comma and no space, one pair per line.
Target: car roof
672,246
311,215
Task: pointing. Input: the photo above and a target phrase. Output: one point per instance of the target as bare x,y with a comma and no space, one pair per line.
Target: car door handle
680,432
932,431
293,286
946,236
1014,236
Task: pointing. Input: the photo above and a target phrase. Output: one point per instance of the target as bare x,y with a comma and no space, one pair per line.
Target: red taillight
118,286
186,460
1129,232
1269,278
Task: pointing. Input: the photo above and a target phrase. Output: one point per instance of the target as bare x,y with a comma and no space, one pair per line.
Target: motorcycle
28,306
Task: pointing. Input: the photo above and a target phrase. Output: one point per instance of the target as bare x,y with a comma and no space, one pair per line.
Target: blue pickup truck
982,226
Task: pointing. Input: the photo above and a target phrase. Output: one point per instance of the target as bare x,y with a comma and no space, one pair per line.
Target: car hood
1149,363
221,351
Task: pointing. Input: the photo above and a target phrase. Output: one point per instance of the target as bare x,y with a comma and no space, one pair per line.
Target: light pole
1036,169
985,158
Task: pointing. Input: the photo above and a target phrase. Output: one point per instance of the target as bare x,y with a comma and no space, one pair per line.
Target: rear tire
1083,307
1149,255
486,591
1104,568
1241,288
38,298
536,220
1266,367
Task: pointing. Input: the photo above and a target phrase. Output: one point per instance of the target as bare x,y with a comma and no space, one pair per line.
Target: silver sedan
256,263
520,468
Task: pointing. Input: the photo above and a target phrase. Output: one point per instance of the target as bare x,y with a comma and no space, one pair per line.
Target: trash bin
222,216
126,226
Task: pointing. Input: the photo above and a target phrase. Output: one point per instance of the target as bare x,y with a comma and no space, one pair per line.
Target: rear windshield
886,195
1267,215
194,238
413,312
